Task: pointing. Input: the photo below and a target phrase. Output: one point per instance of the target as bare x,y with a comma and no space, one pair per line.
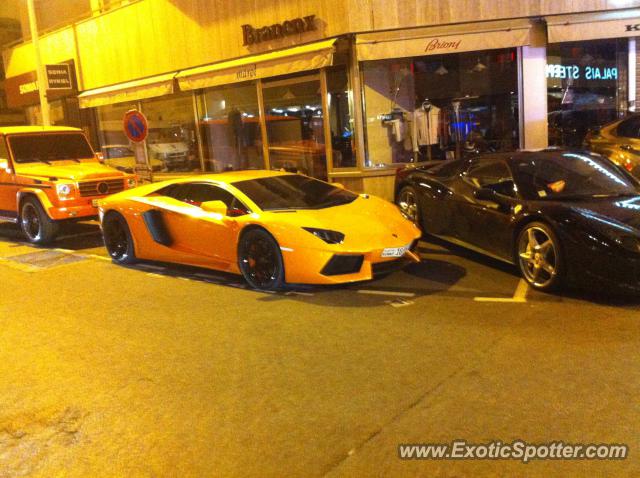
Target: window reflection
295,127
229,122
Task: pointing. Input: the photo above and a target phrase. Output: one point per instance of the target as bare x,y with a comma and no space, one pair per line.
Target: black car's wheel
260,260
540,257
117,239
408,203
34,222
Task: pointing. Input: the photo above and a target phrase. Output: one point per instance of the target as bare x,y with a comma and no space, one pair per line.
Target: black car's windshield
47,147
293,192
568,175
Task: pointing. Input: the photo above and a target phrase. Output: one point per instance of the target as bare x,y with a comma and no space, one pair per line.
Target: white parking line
385,292
519,296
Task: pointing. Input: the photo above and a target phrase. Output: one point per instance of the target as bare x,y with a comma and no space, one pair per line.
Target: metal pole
42,83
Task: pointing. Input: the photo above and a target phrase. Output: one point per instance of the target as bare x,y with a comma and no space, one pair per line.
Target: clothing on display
425,126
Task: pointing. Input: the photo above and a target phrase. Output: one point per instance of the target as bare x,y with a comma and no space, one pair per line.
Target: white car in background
122,157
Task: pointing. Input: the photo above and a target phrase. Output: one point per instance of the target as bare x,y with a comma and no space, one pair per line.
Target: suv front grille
101,187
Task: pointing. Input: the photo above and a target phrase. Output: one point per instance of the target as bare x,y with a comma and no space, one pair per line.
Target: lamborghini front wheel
260,260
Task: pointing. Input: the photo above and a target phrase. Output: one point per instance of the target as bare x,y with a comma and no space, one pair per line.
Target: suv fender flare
40,195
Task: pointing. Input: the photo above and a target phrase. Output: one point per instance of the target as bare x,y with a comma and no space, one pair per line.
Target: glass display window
172,139
229,122
586,87
440,106
295,125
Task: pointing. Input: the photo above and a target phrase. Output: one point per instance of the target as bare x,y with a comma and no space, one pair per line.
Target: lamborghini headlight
327,235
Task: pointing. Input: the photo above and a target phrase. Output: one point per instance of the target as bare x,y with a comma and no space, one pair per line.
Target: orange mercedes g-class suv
49,175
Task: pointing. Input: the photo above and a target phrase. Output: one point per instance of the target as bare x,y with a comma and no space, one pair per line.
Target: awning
441,40
130,91
592,26
282,62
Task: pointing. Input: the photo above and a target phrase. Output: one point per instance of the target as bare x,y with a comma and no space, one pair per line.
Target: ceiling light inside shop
480,67
293,109
441,70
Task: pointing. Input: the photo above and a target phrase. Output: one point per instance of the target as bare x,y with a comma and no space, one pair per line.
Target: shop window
440,106
115,147
586,87
172,135
229,123
340,118
295,126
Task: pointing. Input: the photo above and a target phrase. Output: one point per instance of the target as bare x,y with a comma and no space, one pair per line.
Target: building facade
344,91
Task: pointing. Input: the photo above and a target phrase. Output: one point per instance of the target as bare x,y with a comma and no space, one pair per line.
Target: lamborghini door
197,237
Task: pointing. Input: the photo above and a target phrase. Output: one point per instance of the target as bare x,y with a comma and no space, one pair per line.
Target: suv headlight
64,191
327,235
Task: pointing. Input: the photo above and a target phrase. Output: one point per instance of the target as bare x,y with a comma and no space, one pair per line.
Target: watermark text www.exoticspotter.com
516,450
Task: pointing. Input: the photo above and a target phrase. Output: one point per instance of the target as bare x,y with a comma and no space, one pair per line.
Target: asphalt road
159,370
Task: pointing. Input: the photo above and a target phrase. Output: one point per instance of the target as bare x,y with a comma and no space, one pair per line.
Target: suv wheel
34,222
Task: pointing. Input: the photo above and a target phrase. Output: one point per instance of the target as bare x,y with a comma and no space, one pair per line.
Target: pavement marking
385,292
153,274
519,296
102,258
399,302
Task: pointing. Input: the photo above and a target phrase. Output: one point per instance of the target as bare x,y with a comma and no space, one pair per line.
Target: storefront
591,72
349,102
22,92
288,110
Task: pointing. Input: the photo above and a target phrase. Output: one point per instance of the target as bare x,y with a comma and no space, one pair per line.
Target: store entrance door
295,125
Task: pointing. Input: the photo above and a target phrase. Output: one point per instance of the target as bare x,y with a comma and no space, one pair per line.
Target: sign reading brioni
252,35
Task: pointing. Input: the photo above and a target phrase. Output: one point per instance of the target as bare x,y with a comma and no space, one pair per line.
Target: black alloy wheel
539,257
260,260
34,222
117,239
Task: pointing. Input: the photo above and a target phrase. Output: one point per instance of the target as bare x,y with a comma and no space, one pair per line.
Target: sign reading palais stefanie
251,35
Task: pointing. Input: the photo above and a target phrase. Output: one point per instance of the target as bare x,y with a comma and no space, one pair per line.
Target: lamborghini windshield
293,192
47,147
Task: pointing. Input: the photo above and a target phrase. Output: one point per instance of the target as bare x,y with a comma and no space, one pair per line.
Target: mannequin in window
424,129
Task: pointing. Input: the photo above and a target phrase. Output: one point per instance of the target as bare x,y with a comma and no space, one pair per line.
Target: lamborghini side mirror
217,207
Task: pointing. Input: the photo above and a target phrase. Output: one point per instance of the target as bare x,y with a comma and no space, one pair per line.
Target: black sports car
560,216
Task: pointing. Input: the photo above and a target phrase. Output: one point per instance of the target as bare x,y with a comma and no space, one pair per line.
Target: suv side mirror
217,207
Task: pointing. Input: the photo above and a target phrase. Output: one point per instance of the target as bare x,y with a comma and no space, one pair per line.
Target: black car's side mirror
485,194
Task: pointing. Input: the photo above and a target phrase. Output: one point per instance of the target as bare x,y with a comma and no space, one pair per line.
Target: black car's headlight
630,243
327,235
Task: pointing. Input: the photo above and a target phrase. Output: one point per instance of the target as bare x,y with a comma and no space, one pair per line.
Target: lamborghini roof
233,176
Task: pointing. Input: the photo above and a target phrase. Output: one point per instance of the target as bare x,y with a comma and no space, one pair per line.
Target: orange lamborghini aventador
274,228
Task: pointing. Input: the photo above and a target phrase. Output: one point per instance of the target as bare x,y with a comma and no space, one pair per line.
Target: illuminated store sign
251,35
575,72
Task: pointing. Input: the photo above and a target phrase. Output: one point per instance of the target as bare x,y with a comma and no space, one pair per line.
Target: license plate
94,202
395,251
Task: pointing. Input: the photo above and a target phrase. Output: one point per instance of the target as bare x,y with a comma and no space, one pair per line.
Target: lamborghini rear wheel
117,239
260,260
